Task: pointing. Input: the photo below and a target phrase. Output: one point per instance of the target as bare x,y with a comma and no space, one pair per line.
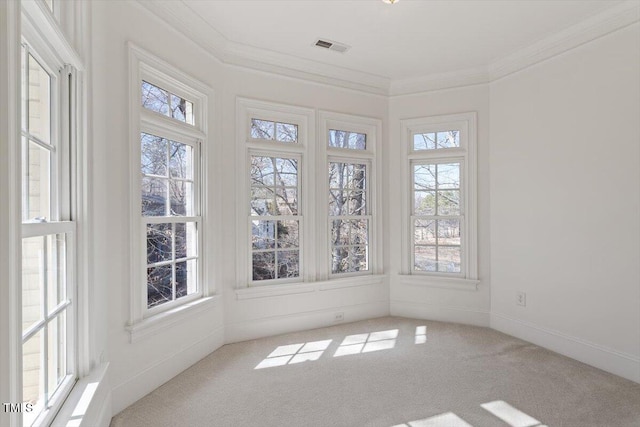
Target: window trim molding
372,127
145,66
304,118
467,123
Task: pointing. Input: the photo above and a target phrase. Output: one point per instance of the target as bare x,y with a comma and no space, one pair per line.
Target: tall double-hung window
349,147
48,233
167,163
441,196
274,149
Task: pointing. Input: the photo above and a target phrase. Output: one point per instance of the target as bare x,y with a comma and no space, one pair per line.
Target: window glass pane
186,240
449,259
346,139
286,201
424,177
359,232
340,231
154,196
24,85
262,129
288,264
153,152
262,201
261,171
448,139
181,194
181,109
424,232
424,141
425,258
154,98
56,270
38,183
39,101
448,232
287,172
347,176
57,351
180,160
43,265
33,279
286,132
159,285
349,259
166,103
349,240
33,376
185,278
287,234
448,175
263,234
338,202
264,265
424,202
159,243
449,202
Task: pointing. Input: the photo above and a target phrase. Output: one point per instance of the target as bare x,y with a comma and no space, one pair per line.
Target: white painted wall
565,202
417,300
137,368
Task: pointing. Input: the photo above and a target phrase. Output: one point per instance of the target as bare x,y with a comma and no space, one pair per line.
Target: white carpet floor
389,372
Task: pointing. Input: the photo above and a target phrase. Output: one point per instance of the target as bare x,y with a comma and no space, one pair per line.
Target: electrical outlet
521,298
338,317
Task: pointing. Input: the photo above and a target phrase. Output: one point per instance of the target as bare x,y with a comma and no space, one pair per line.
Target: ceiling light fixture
390,1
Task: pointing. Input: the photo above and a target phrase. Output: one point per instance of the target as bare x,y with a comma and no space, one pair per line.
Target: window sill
438,282
89,402
301,288
159,322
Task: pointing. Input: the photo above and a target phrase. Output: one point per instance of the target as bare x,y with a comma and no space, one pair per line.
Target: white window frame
42,34
145,66
304,118
372,128
466,155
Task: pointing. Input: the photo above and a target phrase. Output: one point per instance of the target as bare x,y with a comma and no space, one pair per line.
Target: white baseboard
171,365
615,362
442,313
264,327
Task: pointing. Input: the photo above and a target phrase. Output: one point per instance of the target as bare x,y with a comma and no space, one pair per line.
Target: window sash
438,157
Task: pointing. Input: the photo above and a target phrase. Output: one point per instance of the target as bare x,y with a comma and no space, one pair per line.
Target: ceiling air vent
331,45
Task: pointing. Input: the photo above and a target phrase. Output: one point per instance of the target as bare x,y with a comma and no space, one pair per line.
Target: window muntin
347,139
274,131
48,232
169,211
349,220
162,101
436,140
274,217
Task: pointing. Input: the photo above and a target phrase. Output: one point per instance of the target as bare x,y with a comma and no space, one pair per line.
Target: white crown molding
183,19
439,81
606,22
